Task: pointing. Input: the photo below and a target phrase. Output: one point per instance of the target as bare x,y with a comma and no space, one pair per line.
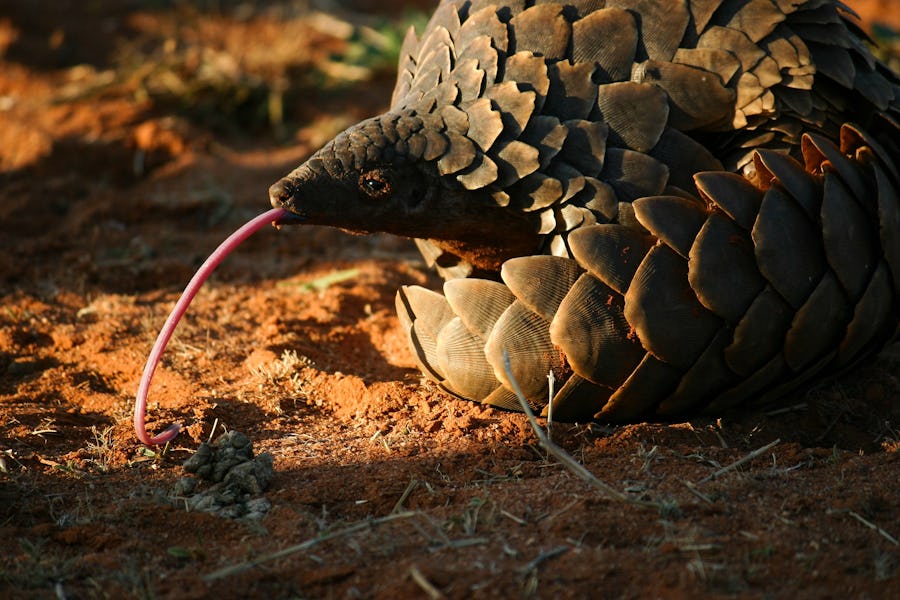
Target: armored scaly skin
692,205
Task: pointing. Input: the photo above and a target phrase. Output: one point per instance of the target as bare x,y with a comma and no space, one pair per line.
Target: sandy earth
134,138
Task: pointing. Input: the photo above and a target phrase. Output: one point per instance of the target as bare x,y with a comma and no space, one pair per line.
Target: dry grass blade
427,587
787,409
875,528
746,459
463,543
561,455
551,383
409,489
513,517
543,556
359,526
693,489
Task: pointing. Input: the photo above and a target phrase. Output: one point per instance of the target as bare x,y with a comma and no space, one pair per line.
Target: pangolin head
387,174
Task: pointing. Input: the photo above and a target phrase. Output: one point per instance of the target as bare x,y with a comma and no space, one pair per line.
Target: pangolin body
676,206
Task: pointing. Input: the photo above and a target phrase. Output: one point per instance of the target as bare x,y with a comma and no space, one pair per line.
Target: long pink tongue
202,274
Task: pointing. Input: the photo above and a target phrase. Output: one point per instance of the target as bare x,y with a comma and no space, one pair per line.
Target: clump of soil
383,486
238,478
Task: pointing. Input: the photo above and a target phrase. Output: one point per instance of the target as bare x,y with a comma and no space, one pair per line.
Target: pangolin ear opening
376,184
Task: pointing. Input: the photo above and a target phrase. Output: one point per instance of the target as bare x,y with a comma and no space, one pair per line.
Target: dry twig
737,463
875,527
693,489
534,564
409,489
422,582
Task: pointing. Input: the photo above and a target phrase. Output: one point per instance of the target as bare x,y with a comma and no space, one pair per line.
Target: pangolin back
712,184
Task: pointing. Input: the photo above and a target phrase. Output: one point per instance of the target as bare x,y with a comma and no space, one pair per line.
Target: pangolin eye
375,184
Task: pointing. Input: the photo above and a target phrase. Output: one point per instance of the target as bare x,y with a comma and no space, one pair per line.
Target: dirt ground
134,137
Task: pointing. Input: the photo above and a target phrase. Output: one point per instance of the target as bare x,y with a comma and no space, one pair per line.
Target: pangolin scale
676,206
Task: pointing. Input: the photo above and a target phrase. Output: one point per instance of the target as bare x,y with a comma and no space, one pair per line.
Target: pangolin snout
281,194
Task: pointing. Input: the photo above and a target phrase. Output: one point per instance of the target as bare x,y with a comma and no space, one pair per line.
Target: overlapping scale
818,324
722,268
633,174
525,336
639,395
872,320
660,297
611,253
478,302
732,193
591,329
578,400
696,99
703,381
788,248
423,314
673,219
760,333
684,157
635,112
540,282
787,173
542,29
460,355
662,24
607,38
848,236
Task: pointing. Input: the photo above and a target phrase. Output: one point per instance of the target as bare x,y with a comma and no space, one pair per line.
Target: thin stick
409,488
513,517
534,564
427,586
463,543
875,527
551,384
165,334
741,461
693,489
787,409
361,525
561,455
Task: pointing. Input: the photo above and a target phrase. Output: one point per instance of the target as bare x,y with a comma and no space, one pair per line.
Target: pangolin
673,206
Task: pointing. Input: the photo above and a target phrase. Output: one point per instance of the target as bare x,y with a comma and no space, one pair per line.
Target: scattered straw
693,489
423,583
513,517
409,489
461,543
359,526
543,556
746,459
874,527
787,409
